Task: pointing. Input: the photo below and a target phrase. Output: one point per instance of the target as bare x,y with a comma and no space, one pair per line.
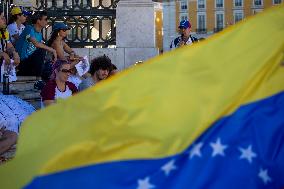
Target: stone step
24,89
18,86
27,78
36,103
21,86
28,95
31,96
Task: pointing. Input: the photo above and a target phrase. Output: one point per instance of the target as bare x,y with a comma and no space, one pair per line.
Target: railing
92,23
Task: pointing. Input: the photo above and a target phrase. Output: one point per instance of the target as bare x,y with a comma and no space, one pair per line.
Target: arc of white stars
218,148
170,166
263,175
145,184
247,154
196,150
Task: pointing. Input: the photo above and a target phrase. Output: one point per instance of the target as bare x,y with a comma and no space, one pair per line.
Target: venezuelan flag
204,116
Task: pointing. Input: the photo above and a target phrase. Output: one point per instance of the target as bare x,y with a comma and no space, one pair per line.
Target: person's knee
8,139
10,136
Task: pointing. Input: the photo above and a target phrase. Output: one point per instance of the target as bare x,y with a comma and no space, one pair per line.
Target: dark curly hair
101,62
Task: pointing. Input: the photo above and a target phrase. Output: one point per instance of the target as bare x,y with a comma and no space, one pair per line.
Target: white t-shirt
65,94
51,92
60,95
14,29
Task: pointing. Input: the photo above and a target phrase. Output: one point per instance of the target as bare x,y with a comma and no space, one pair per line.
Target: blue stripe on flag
243,150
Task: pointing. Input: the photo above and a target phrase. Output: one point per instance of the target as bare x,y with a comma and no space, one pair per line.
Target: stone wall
135,35
121,57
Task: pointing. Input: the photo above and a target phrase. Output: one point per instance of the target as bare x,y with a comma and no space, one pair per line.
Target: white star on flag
218,148
145,184
167,168
264,176
195,151
247,154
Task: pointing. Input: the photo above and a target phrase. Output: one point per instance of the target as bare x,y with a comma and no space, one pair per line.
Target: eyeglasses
66,71
64,30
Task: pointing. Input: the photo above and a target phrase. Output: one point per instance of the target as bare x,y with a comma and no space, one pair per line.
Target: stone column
135,31
169,23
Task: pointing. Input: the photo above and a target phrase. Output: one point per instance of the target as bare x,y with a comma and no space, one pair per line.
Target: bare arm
43,46
6,57
48,102
67,49
59,51
72,56
12,52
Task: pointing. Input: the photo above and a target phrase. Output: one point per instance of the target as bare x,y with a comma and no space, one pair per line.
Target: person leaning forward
31,48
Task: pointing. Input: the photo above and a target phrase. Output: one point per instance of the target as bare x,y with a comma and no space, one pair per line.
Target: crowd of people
24,53
54,63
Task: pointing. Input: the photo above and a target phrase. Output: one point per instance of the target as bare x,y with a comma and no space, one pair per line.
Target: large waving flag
205,116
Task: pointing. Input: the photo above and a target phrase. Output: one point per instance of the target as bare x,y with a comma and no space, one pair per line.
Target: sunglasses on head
66,71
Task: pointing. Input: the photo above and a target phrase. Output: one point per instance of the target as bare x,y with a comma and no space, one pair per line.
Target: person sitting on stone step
57,42
31,47
58,87
100,69
13,112
16,23
8,55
